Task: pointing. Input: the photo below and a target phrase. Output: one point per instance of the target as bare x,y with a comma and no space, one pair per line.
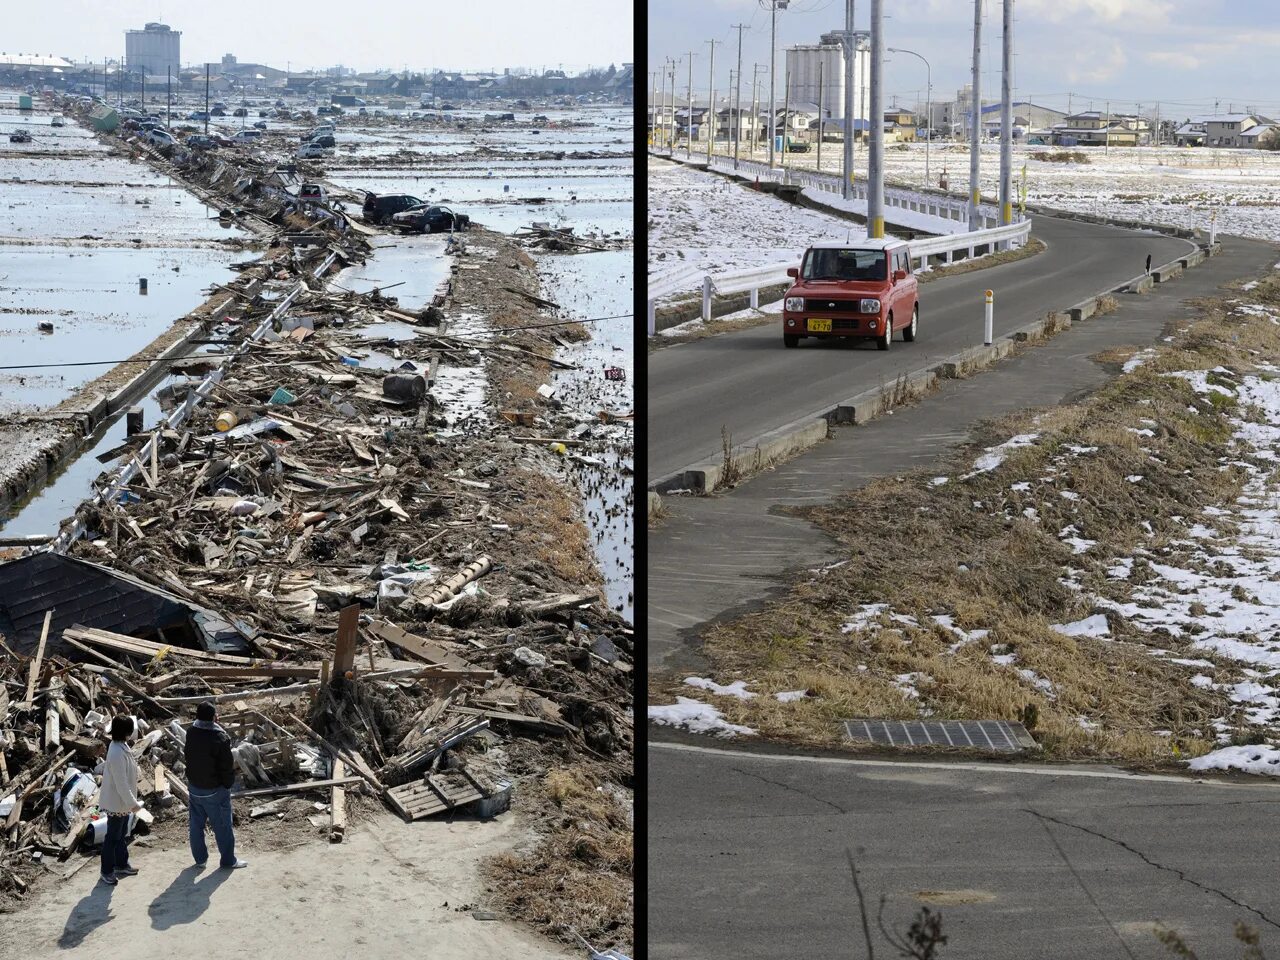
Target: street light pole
928,107
688,116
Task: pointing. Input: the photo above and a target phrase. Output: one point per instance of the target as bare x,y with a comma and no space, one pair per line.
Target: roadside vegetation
1006,584
1061,156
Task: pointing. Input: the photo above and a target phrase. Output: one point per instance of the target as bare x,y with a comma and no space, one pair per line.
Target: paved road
747,858
749,383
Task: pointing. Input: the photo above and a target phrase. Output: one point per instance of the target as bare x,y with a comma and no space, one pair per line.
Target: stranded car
313,193
863,290
313,151
431,219
380,208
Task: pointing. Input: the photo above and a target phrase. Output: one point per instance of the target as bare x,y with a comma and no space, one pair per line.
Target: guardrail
740,281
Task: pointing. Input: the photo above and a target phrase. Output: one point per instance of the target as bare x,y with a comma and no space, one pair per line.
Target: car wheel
790,340
885,338
909,334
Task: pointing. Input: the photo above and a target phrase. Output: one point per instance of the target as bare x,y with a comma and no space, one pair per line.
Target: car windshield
844,264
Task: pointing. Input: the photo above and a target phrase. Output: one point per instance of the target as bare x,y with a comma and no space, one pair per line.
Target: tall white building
153,50
802,76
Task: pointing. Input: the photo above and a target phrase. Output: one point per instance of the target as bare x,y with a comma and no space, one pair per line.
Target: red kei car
863,289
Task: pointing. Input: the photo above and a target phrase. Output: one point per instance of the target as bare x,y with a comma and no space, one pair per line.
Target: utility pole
875,158
660,130
850,111
786,112
671,130
653,105
168,97
688,117
206,99
737,96
821,104
1006,118
975,121
755,109
774,7
1106,131
711,101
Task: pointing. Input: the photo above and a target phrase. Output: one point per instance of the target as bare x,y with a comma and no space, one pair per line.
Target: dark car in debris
433,219
380,208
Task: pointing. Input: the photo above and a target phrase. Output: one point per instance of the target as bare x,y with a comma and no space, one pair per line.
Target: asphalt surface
749,383
748,858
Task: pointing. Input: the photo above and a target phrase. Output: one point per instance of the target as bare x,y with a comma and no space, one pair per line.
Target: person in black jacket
210,774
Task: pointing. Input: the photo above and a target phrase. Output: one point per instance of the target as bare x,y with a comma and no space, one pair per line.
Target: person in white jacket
118,799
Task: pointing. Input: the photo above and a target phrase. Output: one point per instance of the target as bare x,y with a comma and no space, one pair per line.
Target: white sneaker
237,865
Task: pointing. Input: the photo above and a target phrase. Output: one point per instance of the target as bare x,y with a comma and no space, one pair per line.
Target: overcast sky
1186,53
450,34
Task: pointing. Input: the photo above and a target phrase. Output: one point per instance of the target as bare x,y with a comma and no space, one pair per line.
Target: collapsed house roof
90,595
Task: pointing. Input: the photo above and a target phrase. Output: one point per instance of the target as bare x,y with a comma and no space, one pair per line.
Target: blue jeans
212,807
115,847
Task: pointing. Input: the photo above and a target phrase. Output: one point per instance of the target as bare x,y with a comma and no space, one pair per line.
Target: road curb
768,449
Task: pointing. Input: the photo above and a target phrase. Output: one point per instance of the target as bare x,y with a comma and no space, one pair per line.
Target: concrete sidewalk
719,556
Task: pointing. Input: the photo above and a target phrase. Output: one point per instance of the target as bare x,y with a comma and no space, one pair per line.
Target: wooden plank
34,671
338,805
355,762
177,786
420,647
542,724
146,648
295,787
344,648
304,670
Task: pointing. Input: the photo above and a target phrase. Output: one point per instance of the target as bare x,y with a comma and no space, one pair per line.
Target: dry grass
967,549
1061,156
588,851
549,521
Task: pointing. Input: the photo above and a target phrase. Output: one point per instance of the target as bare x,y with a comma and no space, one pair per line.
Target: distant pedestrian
210,774
118,799
1148,264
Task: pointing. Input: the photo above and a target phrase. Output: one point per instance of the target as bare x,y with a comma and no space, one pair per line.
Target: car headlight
794,303
870,306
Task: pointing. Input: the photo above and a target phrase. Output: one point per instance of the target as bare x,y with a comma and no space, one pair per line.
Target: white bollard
755,298
987,324
706,299
653,318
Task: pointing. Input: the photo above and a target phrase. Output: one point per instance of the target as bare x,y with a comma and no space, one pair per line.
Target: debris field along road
1019,865
391,889
341,552
747,381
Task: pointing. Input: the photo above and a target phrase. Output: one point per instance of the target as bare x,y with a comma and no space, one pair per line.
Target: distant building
153,50
1190,134
801,79
1233,129
1029,116
1094,128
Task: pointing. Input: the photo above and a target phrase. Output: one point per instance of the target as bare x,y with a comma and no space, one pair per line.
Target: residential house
1190,134
1093,128
1253,136
900,125
1228,129
1027,115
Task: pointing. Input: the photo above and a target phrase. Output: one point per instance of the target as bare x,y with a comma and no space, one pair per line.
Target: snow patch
697,717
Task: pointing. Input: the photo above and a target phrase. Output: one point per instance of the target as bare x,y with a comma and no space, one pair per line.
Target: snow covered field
704,220
1169,185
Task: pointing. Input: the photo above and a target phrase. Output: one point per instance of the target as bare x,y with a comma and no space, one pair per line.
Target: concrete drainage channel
793,438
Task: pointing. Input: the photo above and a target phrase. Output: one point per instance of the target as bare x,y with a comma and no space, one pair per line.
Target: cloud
1169,58
1091,67
1140,13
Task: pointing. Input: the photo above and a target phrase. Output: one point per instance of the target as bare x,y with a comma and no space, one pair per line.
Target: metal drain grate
997,735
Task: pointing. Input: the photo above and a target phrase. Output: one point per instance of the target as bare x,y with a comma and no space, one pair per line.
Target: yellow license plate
819,326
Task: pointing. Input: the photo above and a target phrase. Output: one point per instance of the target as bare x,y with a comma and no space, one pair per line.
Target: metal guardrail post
708,287
653,317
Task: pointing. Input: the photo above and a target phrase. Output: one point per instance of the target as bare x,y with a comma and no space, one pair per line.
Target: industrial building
153,50
802,71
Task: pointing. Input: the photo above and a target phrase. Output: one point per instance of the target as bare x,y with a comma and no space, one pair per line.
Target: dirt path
391,890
